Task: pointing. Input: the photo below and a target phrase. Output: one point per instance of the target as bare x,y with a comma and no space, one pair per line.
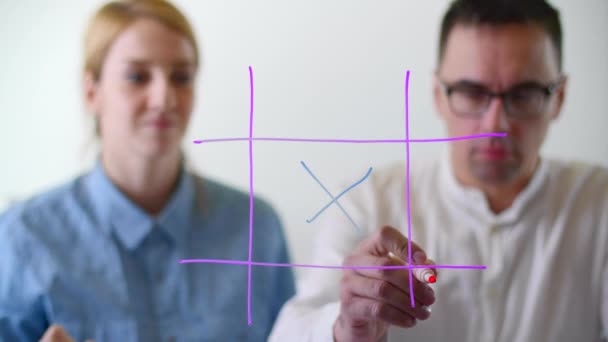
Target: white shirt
546,256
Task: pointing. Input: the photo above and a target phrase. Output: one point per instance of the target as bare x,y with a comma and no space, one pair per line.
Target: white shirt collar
475,200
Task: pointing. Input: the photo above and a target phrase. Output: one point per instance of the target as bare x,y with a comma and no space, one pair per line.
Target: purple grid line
352,141
407,141
250,195
270,264
407,186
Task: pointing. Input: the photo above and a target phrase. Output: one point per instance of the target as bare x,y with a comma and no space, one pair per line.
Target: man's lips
493,153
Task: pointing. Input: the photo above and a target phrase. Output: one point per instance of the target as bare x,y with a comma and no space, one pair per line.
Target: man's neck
501,196
147,182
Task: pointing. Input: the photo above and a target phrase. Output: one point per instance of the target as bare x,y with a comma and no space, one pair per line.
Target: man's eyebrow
522,84
528,83
468,83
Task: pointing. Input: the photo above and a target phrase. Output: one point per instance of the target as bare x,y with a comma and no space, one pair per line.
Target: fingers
388,239
399,278
373,295
56,333
372,310
356,287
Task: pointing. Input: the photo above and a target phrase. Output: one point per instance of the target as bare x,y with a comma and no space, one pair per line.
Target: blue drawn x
335,199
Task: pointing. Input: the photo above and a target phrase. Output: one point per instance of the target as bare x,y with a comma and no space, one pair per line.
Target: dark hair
500,12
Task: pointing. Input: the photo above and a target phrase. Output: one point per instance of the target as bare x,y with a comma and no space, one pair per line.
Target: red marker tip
432,279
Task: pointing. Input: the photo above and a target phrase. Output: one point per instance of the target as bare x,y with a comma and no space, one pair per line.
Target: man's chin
494,173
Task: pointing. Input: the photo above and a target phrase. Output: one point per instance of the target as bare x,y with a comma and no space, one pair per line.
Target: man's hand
372,299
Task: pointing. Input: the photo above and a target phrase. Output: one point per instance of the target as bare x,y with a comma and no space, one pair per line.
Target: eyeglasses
526,100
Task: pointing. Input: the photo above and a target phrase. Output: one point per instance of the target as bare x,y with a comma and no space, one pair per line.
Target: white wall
323,69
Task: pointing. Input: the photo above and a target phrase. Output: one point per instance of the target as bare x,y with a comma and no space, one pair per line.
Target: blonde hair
114,17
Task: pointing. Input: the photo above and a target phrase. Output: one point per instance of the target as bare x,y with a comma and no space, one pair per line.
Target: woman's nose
162,94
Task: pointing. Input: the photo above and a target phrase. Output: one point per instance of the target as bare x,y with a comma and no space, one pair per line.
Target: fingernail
410,322
424,313
419,257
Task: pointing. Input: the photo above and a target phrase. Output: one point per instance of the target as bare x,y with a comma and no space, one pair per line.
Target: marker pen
425,275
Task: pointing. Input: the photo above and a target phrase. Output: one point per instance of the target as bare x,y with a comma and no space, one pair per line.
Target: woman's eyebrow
146,62
184,63
138,61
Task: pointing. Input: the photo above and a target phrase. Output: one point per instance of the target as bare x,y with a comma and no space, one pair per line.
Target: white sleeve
605,307
604,299
604,285
311,313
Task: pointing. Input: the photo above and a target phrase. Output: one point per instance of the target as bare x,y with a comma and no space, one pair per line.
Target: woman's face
145,92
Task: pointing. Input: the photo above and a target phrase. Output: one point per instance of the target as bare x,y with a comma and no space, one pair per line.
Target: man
540,226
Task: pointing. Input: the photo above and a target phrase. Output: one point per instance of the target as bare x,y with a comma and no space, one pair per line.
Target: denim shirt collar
129,222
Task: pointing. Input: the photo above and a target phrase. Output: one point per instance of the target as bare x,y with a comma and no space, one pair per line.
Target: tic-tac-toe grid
405,141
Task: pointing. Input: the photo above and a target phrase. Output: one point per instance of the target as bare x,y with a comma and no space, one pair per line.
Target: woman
99,256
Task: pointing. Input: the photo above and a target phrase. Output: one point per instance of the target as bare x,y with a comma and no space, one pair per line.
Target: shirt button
171,339
159,276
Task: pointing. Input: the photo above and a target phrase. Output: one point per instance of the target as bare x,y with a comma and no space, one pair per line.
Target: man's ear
437,95
560,96
90,92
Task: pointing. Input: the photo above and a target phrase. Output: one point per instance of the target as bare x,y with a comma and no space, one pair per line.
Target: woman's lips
161,123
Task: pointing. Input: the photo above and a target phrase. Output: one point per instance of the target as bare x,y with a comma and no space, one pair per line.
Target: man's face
497,59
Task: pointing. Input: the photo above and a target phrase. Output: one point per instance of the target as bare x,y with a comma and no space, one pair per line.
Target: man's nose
495,118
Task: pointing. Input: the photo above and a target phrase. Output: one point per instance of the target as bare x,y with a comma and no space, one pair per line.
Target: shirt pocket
101,331
113,330
226,329
218,327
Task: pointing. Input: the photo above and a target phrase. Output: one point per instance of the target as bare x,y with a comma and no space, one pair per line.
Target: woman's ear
90,92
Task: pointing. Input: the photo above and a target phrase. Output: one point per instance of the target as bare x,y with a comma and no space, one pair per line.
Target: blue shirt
86,257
